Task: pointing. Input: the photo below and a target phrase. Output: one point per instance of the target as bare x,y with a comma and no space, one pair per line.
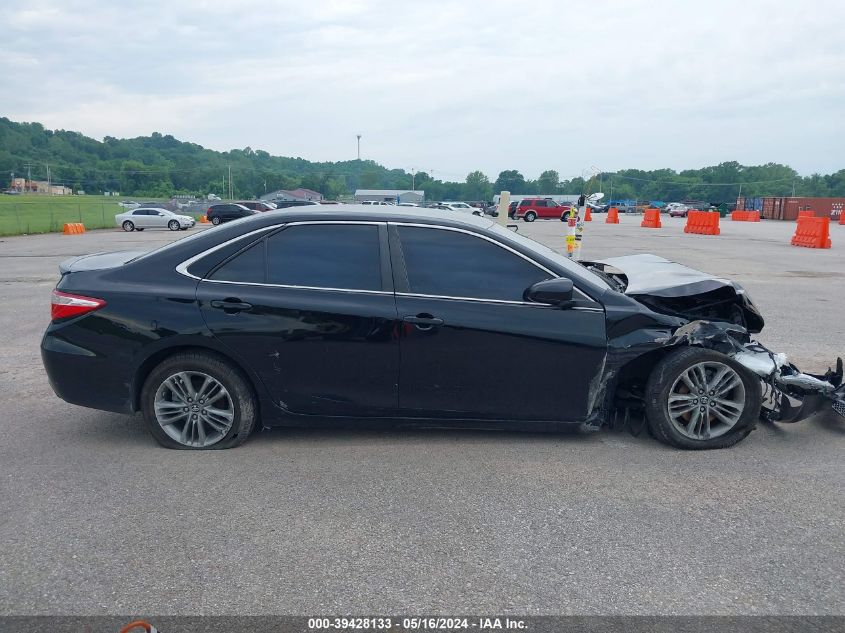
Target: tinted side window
540,203
249,266
343,256
453,264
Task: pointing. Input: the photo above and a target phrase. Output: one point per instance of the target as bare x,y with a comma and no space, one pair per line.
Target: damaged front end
789,394
720,316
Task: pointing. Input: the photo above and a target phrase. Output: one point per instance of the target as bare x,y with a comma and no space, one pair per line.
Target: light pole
413,177
359,146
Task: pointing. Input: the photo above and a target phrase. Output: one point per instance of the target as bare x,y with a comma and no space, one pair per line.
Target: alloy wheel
194,409
706,400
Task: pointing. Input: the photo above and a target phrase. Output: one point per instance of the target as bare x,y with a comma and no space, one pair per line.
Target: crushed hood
653,275
672,288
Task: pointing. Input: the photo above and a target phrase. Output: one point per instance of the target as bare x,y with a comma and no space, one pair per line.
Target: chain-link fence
20,215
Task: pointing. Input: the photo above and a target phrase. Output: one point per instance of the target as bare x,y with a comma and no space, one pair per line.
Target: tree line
160,166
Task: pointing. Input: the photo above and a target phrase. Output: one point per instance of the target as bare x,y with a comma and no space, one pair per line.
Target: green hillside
161,166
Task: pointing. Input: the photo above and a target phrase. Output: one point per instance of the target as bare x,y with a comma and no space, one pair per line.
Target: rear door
472,347
145,218
550,210
311,309
541,207
139,218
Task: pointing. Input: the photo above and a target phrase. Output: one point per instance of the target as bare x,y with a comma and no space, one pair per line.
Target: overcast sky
444,86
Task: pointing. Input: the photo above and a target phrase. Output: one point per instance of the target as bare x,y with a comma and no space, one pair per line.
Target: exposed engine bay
721,316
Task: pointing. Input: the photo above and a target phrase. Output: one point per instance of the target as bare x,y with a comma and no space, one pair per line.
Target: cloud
446,86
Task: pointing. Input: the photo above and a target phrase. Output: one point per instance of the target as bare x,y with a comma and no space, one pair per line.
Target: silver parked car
153,218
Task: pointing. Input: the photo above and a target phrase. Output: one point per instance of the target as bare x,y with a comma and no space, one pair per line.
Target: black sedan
362,313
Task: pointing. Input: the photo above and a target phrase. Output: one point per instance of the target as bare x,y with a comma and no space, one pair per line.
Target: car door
471,346
310,308
158,219
550,210
143,218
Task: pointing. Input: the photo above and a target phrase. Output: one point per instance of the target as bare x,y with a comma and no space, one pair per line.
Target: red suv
530,209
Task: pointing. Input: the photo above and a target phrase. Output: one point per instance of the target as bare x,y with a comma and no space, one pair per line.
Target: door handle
231,306
423,321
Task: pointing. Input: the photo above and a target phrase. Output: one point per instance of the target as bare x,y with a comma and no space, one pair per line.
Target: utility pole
793,188
49,187
230,182
413,178
359,146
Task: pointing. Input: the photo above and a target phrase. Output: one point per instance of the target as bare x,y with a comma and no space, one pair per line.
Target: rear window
342,256
247,267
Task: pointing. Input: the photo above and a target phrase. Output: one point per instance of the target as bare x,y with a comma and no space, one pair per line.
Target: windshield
547,252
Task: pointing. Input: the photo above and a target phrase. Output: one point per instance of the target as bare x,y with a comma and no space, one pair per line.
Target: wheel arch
640,367
159,356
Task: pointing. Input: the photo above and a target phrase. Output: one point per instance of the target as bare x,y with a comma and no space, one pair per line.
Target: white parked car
463,207
153,218
378,203
408,204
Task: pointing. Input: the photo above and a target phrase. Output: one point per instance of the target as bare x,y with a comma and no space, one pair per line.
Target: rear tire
128,226
178,415
702,426
215,221
530,216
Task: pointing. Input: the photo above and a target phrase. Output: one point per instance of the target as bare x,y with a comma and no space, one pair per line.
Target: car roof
367,213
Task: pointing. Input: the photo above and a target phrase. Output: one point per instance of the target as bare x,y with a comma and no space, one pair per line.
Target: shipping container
749,204
787,208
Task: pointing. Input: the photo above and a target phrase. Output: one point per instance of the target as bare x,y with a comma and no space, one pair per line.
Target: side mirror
556,292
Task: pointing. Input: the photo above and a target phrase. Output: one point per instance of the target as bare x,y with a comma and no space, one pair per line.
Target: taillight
64,305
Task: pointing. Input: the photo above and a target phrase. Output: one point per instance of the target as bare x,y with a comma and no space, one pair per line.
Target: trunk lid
97,261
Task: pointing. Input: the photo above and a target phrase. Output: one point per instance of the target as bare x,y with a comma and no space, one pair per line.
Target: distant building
390,195
39,186
293,195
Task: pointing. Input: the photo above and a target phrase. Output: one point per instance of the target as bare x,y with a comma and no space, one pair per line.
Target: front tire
128,226
530,216
699,399
173,225
198,401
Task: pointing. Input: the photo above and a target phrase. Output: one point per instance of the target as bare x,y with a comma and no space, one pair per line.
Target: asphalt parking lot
96,518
